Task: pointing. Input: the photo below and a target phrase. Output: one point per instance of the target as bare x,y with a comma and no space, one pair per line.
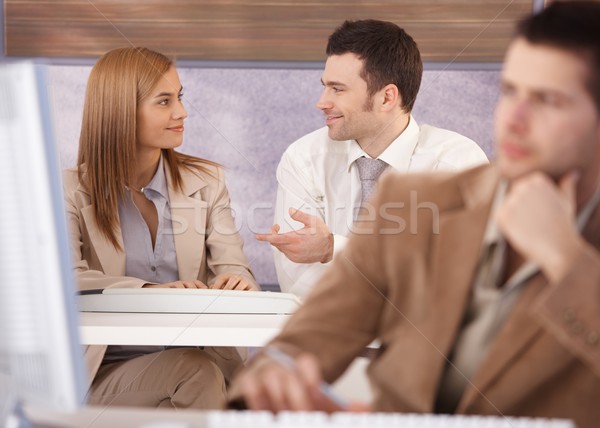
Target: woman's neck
146,165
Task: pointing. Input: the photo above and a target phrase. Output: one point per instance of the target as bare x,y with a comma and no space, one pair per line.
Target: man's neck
586,188
386,134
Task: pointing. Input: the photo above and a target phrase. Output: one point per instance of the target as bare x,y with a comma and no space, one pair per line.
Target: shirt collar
584,215
397,154
159,181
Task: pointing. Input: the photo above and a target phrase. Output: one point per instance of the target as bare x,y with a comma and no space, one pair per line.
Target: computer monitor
41,361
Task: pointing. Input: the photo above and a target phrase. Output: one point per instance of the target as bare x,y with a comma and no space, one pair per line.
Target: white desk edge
98,328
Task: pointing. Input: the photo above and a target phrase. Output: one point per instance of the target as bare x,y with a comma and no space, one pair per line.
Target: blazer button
592,339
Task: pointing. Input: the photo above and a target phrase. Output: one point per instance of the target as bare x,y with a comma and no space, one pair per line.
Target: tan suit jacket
410,291
206,241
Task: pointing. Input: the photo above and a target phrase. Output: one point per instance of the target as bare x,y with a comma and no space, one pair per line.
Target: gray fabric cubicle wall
245,118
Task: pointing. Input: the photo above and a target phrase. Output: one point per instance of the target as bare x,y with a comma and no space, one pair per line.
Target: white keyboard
185,300
372,420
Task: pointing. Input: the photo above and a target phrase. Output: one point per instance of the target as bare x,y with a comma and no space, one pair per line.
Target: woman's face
160,115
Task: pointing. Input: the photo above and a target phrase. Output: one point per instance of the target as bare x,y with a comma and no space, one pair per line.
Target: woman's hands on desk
230,281
225,281
178,284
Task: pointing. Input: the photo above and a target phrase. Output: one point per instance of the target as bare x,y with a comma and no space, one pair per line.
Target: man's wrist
557,264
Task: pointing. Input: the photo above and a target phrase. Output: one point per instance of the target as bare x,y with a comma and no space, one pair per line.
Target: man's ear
391,97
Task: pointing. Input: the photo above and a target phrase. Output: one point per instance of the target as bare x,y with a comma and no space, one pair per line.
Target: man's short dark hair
389,55
572,26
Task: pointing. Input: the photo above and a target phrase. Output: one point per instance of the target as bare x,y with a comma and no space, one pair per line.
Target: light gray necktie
369,171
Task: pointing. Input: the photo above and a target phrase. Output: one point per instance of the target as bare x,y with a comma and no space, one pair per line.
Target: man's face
345,101
546,120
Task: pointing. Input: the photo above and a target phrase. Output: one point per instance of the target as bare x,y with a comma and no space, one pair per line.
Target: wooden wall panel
458,30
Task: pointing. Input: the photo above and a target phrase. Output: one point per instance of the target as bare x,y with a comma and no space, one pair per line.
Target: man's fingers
357,407
277,240
308,367
271,238
254,392
270,385
302,217
274,386
298,394
264,236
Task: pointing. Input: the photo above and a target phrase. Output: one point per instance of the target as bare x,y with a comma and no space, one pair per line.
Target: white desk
179,329
239,330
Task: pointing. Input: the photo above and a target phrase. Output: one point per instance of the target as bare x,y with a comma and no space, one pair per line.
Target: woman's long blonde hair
107,144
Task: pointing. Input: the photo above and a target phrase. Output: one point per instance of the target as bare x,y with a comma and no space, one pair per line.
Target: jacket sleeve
224,245
570,309
87,277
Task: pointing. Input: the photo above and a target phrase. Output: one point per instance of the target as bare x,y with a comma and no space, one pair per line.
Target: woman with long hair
143,215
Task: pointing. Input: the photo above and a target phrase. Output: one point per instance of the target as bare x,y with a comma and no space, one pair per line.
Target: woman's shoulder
74,191
70,178
210,172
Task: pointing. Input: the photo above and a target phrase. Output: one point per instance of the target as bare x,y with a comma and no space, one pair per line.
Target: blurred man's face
546,120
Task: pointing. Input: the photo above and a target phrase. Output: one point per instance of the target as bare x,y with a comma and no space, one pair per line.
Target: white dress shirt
318,175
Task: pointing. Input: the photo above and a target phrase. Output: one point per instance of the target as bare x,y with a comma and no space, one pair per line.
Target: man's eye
551,100
163,102
507,90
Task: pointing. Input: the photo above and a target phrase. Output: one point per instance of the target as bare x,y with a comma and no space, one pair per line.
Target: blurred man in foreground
485,296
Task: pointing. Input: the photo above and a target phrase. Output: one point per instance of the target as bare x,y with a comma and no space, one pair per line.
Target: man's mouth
329,119
514,150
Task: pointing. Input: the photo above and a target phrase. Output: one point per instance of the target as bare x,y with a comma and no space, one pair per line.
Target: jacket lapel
512,341
456,256
519,332
188,217
460,241
111,260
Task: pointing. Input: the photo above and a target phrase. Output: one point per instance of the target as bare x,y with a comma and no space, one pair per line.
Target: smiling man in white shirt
371,79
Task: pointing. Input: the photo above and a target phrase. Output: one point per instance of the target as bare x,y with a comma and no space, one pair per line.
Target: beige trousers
174,378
